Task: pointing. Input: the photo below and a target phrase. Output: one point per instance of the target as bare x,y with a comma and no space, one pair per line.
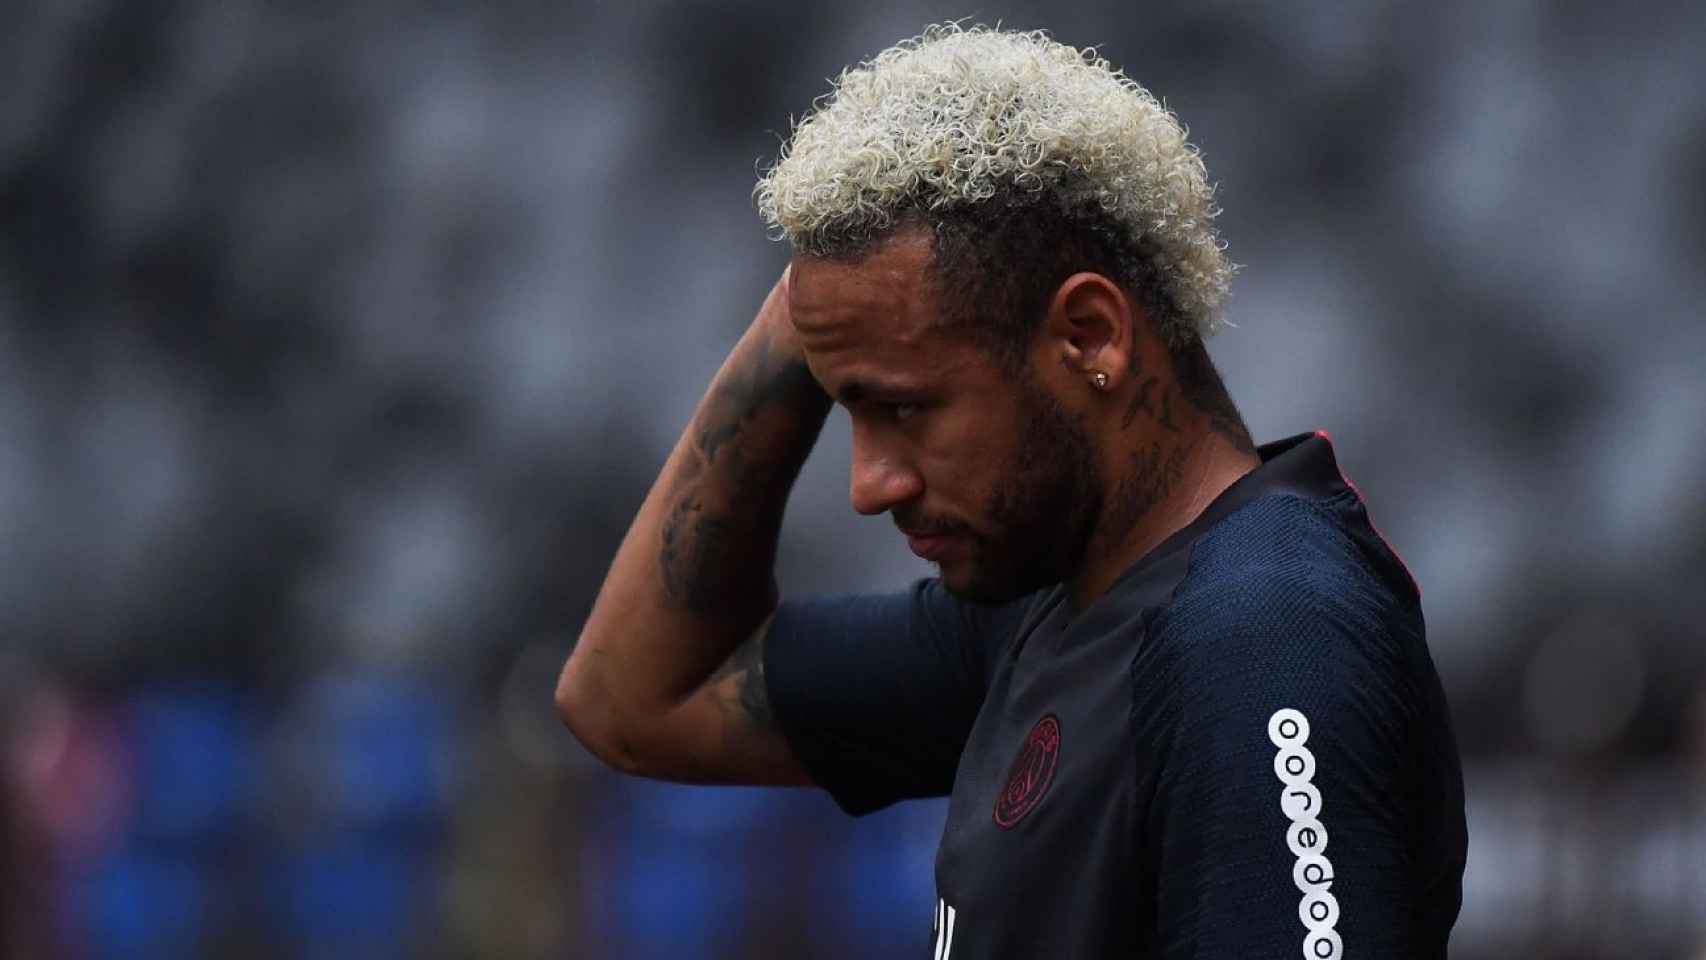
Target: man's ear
1091,325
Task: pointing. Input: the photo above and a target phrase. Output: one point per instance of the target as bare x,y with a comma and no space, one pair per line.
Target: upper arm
1297,805
735,703
868,696
722,733
877,694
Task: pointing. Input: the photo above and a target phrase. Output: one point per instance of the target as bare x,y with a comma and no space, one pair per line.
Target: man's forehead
823,297
892,281
871,328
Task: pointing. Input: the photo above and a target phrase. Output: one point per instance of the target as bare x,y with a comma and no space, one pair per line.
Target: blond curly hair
955,118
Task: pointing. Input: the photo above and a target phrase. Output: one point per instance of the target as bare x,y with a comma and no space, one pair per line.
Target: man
1161,667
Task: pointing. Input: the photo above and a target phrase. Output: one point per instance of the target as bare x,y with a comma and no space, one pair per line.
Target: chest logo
1031,773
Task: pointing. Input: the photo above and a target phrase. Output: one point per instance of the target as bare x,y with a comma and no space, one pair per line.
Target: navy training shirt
1241,750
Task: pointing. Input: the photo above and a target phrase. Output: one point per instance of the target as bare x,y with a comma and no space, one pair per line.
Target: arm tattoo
751,697
694,557
711,554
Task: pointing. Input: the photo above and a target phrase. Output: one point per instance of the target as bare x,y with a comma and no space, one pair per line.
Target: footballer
1175,685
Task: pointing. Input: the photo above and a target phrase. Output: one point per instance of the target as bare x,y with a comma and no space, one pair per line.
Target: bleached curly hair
1009,146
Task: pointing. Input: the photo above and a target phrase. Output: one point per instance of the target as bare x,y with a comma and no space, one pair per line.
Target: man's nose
880,481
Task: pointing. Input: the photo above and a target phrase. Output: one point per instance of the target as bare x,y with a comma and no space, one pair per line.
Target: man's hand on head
662,681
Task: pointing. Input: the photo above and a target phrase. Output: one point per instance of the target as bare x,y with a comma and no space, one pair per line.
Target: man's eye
903,411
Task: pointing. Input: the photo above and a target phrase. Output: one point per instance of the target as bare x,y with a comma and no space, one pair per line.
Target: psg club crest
1030,775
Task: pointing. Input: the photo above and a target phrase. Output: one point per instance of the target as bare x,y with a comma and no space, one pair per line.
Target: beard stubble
1045,505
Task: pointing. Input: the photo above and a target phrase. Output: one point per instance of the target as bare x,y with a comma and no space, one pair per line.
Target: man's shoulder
1287,587
1283,556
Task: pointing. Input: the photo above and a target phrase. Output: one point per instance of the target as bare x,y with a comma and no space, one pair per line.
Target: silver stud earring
1100,379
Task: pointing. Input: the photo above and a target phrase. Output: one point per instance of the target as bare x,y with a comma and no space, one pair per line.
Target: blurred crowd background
339,342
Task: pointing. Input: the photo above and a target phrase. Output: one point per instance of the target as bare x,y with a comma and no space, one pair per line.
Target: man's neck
1183,476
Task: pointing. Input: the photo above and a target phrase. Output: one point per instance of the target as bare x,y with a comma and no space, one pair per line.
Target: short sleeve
1308,799
877,694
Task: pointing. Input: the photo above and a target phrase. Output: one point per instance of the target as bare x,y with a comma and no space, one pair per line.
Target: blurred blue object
674,901
353,897
193,751
142,905
687,869
154,894
385,755
361,878
673,873
695,811
875,892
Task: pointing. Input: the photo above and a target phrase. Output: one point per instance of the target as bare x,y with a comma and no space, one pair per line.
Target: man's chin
966,583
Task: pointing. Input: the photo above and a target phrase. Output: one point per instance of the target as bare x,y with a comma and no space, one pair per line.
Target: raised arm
666,680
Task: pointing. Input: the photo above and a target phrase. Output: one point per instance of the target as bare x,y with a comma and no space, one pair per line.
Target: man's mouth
929,545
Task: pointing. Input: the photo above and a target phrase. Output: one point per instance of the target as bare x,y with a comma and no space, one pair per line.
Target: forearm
694,575
702,550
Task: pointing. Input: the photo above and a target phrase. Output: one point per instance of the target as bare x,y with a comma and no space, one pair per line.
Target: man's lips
929,546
